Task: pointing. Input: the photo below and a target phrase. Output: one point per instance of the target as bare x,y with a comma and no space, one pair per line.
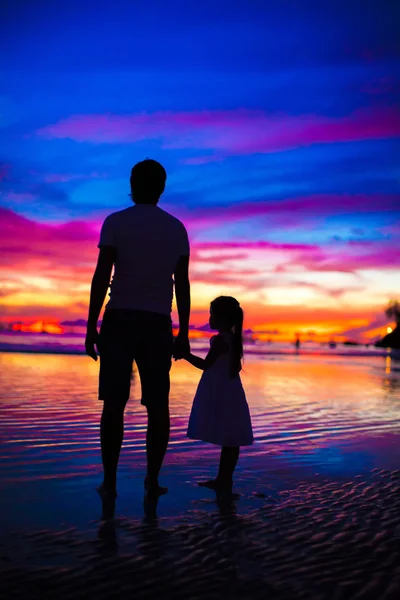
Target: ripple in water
331,418
305,410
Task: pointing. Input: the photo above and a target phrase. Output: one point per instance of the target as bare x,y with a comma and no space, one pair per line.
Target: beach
317,504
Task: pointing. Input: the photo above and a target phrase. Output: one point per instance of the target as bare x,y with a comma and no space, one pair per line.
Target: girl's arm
196,361
218,347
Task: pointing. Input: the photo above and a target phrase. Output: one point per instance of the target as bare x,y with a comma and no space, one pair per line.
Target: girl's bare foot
221,487
211,484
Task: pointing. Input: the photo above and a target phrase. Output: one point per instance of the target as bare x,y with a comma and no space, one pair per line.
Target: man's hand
181,346
92,339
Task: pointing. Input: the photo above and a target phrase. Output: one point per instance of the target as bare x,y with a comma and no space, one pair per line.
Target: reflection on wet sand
313,539
318,511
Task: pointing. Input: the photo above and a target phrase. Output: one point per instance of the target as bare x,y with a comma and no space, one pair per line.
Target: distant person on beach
220,414
149,249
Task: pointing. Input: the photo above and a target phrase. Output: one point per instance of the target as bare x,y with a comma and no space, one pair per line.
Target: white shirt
149,242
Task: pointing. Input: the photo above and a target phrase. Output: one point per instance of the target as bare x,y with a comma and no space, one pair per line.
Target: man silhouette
149,249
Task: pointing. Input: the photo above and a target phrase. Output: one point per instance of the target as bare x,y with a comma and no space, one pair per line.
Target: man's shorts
140,336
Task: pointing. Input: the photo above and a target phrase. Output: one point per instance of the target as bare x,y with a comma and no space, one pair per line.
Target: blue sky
276,121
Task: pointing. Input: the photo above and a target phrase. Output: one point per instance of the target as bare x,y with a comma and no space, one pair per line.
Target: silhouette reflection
108,508
107,533
227,504
150,505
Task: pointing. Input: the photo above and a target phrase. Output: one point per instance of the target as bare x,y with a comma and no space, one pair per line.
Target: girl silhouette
220,413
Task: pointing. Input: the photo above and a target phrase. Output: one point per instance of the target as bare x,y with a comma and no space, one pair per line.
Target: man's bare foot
154,489
105,493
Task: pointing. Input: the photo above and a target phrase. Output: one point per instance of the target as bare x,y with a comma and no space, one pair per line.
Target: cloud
36,198
201,160
67,177
71,248
19,198
292,211
49,194
74,323
347,257
25,242
304,219
46,270
5,169
252,245
336,292
35,311
351,258
379,322
235,132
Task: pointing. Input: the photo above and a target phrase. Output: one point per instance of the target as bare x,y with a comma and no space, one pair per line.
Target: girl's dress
220,413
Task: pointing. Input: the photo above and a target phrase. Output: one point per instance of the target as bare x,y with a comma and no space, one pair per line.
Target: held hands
91,342
181,346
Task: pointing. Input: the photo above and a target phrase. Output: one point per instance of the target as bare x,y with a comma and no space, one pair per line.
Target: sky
278,124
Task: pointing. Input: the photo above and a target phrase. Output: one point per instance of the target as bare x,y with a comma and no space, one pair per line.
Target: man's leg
111,435
116,358
153,360
157,438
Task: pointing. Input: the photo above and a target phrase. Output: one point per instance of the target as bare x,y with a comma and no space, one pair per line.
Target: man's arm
182,294
100,283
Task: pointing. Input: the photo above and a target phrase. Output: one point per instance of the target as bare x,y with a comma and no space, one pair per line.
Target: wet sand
318,514
288,539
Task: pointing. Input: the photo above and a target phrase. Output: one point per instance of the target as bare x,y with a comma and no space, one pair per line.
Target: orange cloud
45,271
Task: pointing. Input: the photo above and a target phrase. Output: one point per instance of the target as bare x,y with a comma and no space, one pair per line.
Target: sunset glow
283,165
38,327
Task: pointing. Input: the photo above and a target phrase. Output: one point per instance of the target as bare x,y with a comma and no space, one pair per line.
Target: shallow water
311,415
74,343
317,516
300,406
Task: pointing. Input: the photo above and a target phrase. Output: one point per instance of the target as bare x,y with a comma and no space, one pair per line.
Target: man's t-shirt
148,243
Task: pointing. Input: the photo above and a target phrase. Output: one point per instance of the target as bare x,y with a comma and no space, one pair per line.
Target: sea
315,511
319,410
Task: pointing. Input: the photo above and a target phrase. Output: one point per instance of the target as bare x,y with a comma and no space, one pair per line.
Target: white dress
220,413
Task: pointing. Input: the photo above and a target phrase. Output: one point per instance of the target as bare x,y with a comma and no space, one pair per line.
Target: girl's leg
227,464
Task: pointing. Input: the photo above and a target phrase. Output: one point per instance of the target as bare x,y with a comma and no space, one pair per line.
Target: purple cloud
290,212
66,177
5,168
237,132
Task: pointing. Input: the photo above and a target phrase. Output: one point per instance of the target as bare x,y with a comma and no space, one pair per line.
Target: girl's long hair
229,311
